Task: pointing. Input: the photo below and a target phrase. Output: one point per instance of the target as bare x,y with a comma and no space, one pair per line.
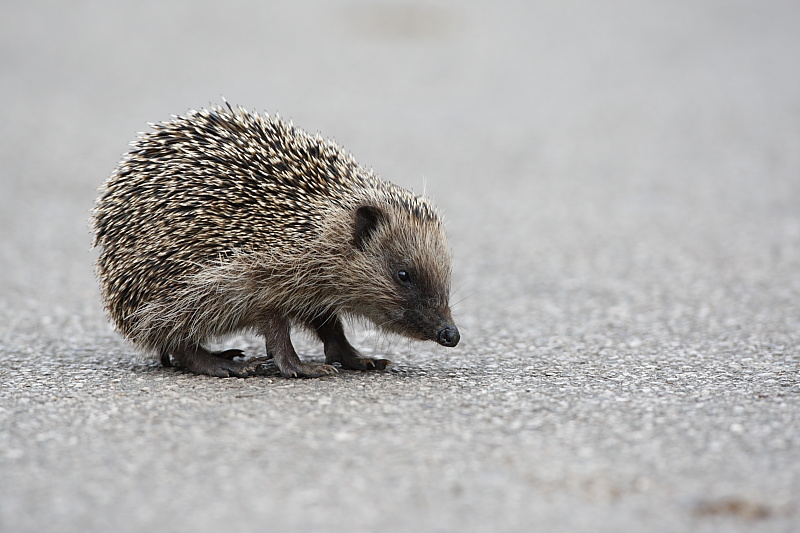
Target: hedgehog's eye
404,276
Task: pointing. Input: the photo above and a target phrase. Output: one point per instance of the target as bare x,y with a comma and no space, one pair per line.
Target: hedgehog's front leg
338,349
279,346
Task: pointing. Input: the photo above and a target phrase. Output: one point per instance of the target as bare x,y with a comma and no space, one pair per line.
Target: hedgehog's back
202,187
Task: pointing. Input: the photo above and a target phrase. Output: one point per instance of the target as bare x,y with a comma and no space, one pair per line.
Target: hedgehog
225,221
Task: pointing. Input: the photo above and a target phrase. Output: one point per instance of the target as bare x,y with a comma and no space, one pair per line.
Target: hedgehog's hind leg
279,348
200,361
338,349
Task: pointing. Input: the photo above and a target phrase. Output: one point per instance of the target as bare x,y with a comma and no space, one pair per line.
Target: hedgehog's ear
368,218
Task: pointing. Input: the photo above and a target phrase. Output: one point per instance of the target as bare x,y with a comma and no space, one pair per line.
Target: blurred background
621,181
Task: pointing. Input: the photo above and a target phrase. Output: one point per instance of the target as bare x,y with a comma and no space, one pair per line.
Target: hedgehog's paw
307,370
350,359
221,365
254,366
364,363
226,368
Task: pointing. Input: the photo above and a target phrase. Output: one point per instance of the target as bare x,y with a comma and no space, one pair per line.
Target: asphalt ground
621,182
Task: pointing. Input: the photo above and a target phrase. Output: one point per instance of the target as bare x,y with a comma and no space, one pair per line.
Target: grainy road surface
622,185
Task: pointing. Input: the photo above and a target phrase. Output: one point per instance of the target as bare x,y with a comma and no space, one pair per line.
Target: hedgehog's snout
448,336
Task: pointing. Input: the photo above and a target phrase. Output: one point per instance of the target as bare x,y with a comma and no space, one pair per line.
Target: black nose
448,336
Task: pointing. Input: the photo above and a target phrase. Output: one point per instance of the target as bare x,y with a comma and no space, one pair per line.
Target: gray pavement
622,185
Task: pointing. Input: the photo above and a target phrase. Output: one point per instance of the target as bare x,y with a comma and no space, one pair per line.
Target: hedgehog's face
402,268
